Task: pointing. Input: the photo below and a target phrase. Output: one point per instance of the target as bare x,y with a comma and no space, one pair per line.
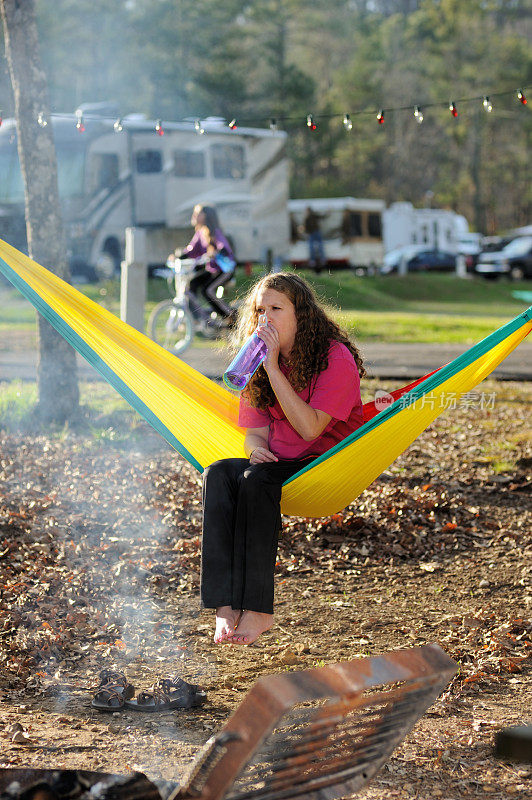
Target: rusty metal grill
319,734
329,745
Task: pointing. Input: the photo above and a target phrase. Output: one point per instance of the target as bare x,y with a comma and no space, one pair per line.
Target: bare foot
226,622
250,627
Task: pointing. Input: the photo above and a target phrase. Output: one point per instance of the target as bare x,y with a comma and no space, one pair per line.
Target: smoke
106,548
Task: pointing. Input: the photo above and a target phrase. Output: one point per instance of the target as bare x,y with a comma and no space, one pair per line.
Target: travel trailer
125,173
358,232
351,229
432,228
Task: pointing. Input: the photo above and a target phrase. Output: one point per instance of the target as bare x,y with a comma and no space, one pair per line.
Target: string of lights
312,120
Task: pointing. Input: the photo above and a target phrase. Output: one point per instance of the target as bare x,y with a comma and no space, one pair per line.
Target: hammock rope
199,418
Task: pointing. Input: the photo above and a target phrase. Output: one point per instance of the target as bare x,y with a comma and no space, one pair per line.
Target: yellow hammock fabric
199,418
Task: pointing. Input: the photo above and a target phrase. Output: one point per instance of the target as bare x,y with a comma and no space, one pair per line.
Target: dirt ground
99,567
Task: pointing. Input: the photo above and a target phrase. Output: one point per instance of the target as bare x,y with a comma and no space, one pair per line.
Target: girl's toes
239,639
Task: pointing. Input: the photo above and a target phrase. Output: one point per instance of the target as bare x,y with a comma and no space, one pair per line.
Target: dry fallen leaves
91,537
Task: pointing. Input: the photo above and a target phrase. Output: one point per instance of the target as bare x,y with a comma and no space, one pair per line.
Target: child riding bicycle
214,270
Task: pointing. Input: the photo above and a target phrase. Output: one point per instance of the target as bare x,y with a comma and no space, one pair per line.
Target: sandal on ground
167,694
112,691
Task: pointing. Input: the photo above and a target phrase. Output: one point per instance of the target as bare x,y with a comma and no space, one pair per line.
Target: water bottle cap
263,319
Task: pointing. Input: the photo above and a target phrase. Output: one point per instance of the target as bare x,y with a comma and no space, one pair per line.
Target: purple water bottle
247,361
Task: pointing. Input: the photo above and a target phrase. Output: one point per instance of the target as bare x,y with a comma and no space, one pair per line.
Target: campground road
385,361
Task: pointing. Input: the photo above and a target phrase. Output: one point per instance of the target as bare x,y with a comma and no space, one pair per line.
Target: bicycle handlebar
188,262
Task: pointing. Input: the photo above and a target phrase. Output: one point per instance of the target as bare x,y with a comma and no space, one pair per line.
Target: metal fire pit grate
319,734
70,784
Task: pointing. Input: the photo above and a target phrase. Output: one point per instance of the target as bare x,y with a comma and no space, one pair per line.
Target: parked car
418,258
392,259
492,244
514,260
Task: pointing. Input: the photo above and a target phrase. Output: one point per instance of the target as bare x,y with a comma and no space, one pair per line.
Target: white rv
114,176
431,228
351,229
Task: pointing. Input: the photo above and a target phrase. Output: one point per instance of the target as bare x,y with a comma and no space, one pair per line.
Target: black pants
241,523
208,283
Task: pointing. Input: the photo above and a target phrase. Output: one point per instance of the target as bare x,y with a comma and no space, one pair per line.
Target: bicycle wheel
171,326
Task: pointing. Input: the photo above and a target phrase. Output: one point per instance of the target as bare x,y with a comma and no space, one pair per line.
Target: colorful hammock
199,418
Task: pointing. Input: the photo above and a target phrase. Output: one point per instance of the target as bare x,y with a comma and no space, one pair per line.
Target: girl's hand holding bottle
269,335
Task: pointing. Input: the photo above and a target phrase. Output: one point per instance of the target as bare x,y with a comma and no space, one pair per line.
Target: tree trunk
56,372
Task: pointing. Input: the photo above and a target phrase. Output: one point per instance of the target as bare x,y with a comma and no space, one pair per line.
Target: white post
134,279
461,269
403,266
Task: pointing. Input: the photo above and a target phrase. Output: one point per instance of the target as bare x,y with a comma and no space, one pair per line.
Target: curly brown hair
315,332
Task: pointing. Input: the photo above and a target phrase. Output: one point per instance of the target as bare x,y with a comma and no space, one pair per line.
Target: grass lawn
104,411
414,308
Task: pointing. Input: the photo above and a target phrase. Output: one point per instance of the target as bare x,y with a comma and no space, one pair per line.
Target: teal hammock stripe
96,361
425,387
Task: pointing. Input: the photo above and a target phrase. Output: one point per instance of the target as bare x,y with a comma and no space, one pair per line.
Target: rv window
228,161
149,161
355,223
103,172
374,225
189,164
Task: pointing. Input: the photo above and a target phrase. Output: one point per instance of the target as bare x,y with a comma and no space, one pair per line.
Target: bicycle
174,322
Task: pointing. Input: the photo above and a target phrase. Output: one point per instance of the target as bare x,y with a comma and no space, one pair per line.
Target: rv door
149,191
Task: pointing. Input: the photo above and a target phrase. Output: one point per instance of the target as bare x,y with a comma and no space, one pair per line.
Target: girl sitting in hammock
302,400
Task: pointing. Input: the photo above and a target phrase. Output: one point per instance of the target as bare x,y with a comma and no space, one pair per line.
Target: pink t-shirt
336,391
